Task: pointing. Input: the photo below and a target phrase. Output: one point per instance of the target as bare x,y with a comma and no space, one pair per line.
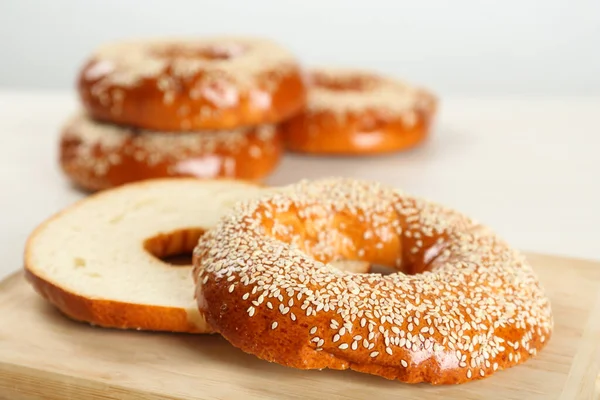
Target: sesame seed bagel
462,305
97,155
192,83
100,260
351,112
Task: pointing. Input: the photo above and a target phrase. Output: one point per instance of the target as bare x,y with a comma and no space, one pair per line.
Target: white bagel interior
95,248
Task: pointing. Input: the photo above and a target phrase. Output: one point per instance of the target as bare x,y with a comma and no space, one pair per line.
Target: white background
457,47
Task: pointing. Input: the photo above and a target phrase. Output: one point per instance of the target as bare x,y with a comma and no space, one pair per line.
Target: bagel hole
209,53
362,267
174,248
382,269
355,83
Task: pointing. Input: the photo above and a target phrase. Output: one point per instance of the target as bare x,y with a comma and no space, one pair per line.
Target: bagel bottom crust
354,134
464,305
114,314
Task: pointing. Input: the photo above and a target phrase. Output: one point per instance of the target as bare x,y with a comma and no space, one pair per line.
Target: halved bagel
101,260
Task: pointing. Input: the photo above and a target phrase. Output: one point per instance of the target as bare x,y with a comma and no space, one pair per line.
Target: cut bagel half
105,259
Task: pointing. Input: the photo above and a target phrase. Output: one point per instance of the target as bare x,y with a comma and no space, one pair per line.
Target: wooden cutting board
46,356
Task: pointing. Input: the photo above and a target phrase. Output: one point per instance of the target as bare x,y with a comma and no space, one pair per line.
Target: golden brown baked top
240,58
464,304
343,90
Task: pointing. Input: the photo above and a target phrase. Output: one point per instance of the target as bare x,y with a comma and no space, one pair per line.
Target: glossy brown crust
134,156
112,314
361,129
465,306
172,101
357,134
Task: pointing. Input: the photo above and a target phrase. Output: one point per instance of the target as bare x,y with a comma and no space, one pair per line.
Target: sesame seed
274,325
442,310
374,354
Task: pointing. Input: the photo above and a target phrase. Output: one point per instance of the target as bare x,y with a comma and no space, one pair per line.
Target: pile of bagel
283,273
226,107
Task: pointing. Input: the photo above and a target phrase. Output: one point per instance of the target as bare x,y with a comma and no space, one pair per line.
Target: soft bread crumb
95,248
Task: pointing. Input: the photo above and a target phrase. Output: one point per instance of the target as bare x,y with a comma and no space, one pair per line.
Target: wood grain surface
43,355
